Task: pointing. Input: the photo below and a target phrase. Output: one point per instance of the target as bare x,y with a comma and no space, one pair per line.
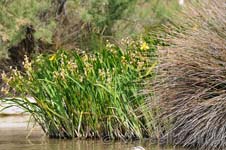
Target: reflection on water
13,133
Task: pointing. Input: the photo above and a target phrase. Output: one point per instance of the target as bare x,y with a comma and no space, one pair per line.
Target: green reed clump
80,94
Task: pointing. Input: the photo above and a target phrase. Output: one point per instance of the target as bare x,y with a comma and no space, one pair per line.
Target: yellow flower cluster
27,66
144,46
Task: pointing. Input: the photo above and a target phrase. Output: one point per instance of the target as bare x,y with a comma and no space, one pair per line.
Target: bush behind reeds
80,94
190,86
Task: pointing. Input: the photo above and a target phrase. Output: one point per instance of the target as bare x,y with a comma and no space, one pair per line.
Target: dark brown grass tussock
190,85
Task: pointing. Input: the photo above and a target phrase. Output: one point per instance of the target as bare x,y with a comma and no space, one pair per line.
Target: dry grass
190,86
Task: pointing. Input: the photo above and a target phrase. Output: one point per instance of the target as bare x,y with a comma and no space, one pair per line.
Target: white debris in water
138,148
181,2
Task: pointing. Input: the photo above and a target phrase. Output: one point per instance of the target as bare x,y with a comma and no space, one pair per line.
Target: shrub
83,24
104,14
190,86
15,15
79,94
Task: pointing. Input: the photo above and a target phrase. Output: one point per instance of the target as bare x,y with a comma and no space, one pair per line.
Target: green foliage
88,94
165,9
145,16
86,24
14,15
104,14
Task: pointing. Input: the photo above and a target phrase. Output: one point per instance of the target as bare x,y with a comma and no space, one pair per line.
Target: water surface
16,135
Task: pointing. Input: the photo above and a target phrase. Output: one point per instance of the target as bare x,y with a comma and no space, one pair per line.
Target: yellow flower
53,57
123,57
5,90
27,64
144,46
85,58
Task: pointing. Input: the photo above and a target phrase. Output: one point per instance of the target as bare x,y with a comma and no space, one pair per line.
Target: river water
15,134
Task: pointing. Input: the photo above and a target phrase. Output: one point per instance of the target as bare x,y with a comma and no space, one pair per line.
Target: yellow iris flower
53,57
144,46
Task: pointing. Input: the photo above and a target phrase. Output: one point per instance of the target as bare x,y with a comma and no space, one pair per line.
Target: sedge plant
87,95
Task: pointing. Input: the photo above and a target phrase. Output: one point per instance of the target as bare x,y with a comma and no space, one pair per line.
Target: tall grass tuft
87,95
191,83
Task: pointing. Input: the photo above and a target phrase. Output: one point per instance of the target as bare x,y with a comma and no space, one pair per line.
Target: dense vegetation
29,27
190,84
70,24
122,69
80,94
